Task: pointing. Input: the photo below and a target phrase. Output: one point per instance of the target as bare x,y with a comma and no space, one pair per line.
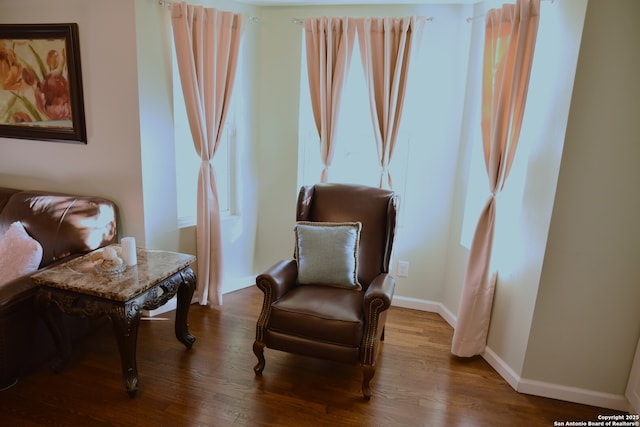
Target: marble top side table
77,289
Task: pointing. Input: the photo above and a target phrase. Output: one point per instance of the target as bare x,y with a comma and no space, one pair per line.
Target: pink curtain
207,43
329,44
385,47
510,37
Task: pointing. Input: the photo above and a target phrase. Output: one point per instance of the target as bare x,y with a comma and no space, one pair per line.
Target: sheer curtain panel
207,44
510,37
329,43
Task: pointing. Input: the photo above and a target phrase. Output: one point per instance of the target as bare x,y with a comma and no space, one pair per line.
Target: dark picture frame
41,94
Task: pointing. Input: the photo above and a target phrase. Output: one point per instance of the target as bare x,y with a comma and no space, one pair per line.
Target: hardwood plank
418,382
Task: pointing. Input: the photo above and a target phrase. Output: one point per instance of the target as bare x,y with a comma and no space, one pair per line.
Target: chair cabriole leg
367,373
258,350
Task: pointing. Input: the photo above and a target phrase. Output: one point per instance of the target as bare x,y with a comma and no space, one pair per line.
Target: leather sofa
66,226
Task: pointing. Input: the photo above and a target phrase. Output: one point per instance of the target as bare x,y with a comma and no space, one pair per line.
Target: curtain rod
165,3
473,18
300,21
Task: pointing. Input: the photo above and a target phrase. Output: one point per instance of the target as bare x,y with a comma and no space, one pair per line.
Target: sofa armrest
23,287
16,291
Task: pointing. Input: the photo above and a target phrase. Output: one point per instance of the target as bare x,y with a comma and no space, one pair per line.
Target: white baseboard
523,385
583,396
425,305
448,316
501,367
617,402
416,304
237,284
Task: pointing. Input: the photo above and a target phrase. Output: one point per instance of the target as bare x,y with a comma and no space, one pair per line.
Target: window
478,191
355,158
188,162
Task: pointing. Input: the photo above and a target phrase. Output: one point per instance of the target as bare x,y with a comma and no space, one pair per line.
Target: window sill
190,221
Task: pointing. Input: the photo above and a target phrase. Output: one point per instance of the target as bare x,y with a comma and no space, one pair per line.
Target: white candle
129,250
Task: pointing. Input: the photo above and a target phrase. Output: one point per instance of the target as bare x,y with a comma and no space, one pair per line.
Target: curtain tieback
494,195
384,171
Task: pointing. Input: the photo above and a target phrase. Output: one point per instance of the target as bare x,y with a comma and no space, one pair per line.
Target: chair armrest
278,279
379,294
274,283
377,299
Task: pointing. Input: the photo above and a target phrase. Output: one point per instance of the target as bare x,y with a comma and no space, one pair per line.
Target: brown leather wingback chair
294,318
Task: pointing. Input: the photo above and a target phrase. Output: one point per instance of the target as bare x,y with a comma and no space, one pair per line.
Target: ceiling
350,2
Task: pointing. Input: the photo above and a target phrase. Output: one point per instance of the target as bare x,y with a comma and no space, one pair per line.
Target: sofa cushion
327,253
20,254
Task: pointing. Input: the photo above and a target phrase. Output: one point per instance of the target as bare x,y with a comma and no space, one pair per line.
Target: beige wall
587,321
109,165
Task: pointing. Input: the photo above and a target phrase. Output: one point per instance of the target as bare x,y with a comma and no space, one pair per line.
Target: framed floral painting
41,83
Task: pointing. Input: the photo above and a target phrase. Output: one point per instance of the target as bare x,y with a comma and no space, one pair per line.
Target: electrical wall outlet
403,269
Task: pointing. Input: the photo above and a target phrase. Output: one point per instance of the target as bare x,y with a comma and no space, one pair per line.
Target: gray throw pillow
327,253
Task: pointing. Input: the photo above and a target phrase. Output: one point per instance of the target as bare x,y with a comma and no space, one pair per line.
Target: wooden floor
417,383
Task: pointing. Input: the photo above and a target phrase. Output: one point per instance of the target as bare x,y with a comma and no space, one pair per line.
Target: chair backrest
375,208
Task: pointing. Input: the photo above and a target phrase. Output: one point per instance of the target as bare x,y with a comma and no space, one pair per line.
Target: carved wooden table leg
56,328
185,293
125,320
